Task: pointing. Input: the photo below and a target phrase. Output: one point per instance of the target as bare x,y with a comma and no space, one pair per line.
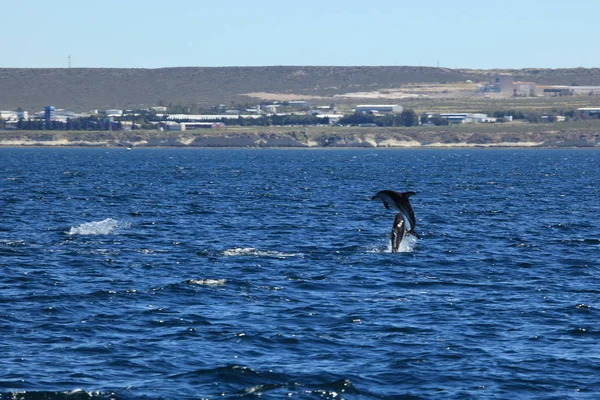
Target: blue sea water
204,274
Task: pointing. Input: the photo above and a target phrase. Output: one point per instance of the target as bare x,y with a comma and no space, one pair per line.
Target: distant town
170,117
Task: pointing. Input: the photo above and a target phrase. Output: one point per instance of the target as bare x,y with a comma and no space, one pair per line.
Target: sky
183,33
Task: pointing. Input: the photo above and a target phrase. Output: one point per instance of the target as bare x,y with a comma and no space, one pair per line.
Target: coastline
584,135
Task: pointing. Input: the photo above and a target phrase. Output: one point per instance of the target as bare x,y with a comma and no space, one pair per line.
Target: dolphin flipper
415,234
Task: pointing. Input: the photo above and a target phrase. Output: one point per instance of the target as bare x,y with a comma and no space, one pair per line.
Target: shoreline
575,135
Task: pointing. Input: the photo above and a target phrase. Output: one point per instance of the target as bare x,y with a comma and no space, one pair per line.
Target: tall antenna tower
69,61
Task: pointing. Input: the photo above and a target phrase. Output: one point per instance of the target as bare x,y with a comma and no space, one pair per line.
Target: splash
406,246
107,226
251,251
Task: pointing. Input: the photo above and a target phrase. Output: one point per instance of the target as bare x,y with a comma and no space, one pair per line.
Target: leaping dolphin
398,232
405,221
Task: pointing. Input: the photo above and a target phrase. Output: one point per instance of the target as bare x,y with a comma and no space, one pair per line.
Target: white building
333,118
463,118
113,113
381,108
171,126
13,115
207,117
9,115
585,90
525,89
299,103
198,125
62,115
271,108
589,110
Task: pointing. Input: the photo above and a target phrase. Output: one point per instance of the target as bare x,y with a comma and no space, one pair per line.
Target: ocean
255,273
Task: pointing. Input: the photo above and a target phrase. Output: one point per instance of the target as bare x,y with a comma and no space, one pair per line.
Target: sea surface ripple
215,273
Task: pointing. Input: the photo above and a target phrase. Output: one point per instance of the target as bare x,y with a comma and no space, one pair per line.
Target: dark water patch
68,395
581,242
583,332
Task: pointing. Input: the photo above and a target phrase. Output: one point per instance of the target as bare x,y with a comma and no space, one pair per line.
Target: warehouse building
378,108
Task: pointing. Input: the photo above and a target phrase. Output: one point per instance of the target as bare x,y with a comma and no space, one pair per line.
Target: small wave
12,243
251,251
105,227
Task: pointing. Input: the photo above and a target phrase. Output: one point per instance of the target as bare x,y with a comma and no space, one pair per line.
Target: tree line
148,120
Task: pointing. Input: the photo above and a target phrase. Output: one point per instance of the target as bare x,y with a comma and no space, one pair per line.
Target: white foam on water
208,282
251,251
406,246
107,226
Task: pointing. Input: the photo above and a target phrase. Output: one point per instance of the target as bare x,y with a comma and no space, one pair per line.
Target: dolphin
398,232
405,220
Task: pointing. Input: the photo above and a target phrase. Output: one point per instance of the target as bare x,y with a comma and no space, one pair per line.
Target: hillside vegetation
83,89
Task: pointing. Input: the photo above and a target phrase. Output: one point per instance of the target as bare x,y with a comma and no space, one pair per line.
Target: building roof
377,105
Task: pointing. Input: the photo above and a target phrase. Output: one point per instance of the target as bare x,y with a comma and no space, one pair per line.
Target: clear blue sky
176,33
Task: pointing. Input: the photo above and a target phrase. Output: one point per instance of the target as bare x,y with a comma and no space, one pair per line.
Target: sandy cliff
315,139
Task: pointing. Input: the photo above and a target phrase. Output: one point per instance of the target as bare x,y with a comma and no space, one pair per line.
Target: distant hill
83,89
